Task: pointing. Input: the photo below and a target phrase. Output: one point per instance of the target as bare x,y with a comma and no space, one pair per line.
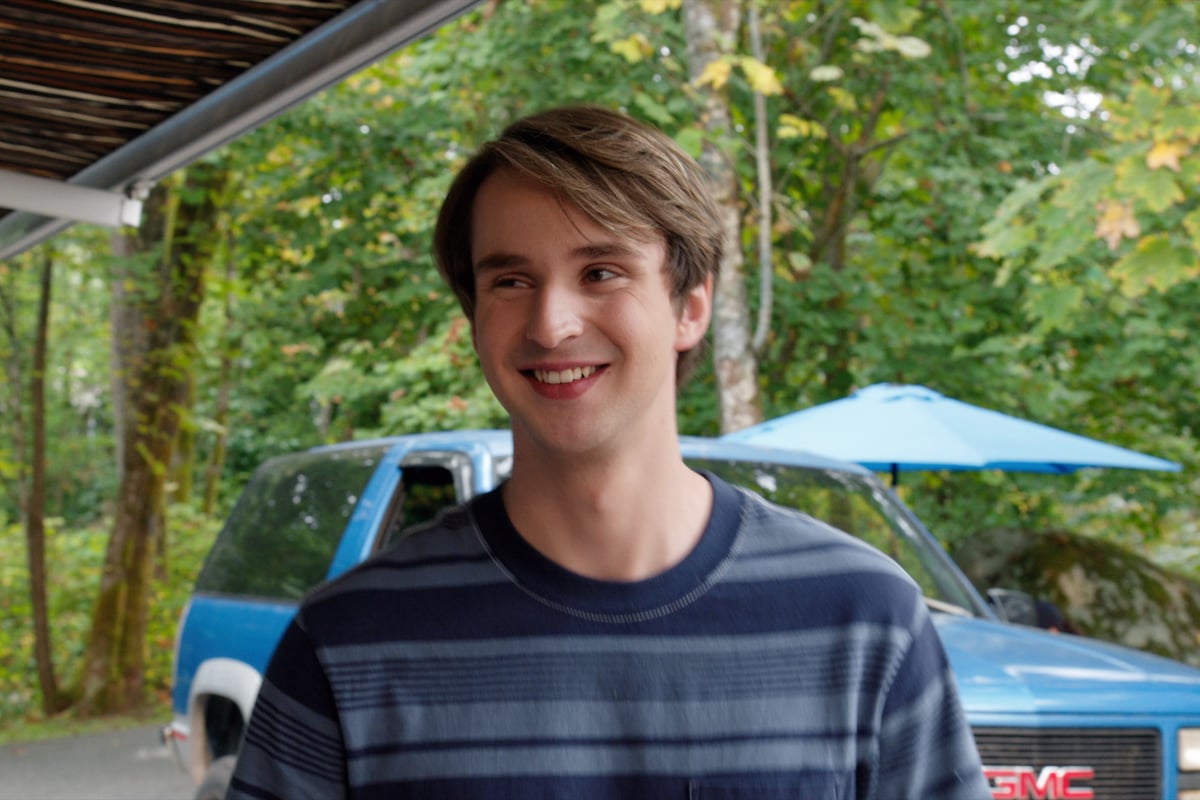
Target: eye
600,274
509,282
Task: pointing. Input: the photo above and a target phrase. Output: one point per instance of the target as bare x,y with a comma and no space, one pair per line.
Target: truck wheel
216,780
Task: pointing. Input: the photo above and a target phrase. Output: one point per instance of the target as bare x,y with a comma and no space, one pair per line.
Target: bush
74,558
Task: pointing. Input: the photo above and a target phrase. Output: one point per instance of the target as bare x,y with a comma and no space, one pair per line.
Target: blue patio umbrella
902,428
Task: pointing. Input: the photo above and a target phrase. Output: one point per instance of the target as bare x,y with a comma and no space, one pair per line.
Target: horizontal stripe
829,561
778,785
565,760
852,636
800,715
726,668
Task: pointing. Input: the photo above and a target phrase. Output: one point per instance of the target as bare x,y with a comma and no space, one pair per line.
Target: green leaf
1080,184
1156,189
1053,307
1191,224
1156,263
1181,121
691,140
1025,194
1005,240
1145,104
652,110
1059,244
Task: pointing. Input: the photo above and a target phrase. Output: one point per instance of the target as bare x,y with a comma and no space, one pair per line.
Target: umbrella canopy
898,428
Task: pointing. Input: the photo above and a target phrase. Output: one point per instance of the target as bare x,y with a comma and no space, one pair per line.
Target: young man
609,623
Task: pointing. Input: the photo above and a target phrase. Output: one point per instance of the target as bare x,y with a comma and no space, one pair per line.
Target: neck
621,519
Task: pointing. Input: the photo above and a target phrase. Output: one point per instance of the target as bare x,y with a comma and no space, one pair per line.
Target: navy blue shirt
780,658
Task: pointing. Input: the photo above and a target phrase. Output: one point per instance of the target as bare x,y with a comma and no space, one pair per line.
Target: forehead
510,210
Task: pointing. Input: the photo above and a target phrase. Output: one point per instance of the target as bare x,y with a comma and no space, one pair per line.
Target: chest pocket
825,786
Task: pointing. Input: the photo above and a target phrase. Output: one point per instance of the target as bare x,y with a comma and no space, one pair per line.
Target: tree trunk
712,26
155,344
183,463
216,461
29,456
53,700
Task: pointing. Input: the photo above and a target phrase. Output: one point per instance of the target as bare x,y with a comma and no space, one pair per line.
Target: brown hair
628,177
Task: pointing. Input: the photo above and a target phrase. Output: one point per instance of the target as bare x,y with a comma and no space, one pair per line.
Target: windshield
861,506
287,524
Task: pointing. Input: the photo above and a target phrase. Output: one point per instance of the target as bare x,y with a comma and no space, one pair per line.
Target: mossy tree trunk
158,290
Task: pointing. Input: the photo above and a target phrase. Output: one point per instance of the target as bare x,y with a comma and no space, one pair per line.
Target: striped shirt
780,658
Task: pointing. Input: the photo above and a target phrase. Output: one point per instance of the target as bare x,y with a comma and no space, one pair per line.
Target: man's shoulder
789,539
441,552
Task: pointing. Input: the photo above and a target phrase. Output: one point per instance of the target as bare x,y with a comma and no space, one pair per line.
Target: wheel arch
219,706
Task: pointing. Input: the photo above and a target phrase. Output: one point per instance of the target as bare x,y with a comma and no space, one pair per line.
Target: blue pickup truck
1056,717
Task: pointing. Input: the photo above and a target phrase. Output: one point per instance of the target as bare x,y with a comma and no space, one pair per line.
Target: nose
554,318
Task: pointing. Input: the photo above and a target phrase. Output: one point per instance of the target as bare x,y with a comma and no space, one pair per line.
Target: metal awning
99,98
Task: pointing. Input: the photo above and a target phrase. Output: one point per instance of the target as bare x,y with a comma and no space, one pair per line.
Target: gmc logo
1052,783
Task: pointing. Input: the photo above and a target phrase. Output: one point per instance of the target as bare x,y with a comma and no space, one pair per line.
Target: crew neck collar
613,601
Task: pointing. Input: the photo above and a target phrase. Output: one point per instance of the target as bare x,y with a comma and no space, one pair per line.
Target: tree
158,289
712,29
31,474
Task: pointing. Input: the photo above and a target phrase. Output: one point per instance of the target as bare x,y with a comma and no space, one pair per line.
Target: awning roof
100,98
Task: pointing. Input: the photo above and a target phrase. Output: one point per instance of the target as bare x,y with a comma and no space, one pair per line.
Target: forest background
999,200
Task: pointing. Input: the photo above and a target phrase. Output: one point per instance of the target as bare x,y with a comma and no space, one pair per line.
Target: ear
695,312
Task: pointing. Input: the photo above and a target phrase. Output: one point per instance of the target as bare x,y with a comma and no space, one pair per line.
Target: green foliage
74,557
80,477
439,387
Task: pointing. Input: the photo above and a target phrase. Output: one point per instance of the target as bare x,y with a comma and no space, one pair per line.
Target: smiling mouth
555,377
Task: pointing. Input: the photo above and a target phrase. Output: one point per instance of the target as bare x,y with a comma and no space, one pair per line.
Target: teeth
563,376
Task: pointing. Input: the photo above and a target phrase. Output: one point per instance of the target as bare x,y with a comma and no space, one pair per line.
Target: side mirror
1013,605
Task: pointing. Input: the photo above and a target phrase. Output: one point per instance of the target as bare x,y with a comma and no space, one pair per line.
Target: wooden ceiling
108,94
80,79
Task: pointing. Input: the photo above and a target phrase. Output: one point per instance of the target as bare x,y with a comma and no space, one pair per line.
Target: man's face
575,327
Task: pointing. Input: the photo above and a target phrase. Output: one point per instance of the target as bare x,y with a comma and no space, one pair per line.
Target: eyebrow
497,261
501,260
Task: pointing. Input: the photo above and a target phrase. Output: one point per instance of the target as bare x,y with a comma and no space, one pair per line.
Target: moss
1109,592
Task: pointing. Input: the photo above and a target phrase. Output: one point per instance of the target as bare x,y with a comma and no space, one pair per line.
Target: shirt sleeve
293,746
926,747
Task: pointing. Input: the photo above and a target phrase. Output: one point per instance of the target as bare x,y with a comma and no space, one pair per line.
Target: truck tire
216,780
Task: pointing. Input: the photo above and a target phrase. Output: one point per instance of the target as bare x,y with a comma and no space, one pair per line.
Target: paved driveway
121,765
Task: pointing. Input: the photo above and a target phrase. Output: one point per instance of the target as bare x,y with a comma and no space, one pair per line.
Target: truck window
424,492
282,534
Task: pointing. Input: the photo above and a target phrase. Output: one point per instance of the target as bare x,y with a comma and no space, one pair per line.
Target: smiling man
608,623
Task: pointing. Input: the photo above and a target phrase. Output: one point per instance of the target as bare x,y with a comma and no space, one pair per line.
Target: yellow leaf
659,6
1116,222
715,74
793,127
1166,154
842,99
762,78
633,49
